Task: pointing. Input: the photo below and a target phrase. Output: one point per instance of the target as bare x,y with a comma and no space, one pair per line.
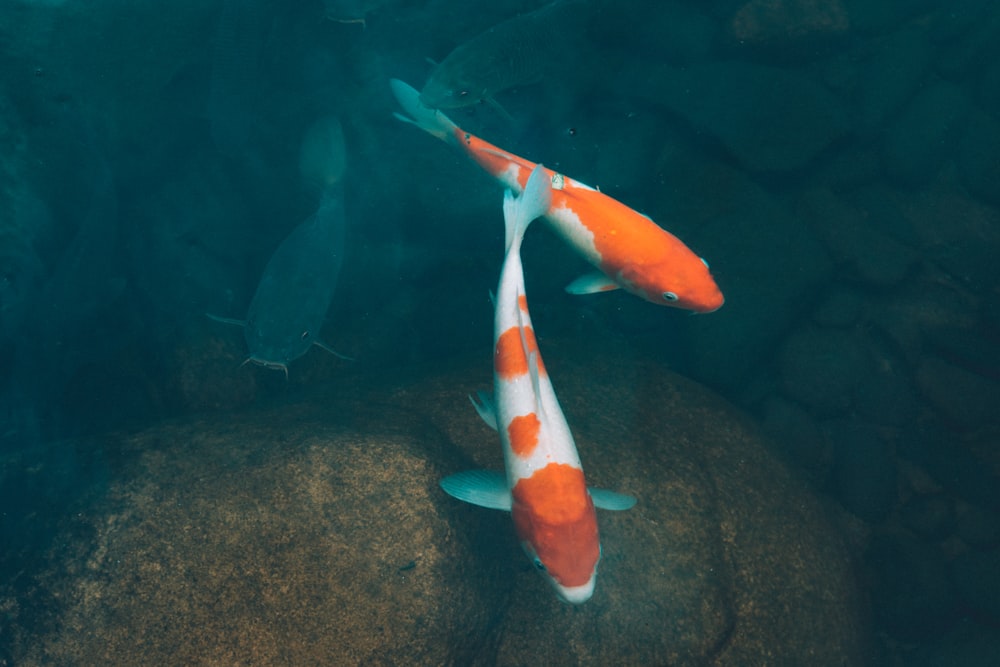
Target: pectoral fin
323,346
485,488
591,283
483,403
609,500
226,320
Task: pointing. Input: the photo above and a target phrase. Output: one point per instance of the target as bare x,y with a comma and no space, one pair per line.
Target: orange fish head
688,285
557,526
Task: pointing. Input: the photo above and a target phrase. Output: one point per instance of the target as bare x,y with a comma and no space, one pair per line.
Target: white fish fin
591,283
483,403
486,488
429,120
609,500
323,346
534,202
535,382
226,320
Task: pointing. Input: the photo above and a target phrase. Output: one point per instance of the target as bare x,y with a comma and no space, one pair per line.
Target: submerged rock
314,532
769,119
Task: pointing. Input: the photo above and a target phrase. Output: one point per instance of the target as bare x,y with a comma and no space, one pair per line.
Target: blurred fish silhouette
544,488
629,250
518,51
288,309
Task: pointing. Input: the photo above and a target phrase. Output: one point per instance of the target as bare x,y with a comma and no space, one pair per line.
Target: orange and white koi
544,487
629,249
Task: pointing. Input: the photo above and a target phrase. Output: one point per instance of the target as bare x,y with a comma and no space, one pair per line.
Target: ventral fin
483,403
610,500
591,283
486,488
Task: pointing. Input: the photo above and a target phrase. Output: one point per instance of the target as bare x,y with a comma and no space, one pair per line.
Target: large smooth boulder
313,531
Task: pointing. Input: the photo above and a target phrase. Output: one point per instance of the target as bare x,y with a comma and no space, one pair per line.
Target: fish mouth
273,365
713,306
576,594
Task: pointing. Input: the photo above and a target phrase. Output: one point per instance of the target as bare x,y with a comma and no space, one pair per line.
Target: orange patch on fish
523,434
522,303
553,511
510,358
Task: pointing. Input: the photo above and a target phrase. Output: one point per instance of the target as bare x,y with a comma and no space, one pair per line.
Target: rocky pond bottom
314,532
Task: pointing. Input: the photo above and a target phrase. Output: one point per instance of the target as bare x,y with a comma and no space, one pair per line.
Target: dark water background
838,165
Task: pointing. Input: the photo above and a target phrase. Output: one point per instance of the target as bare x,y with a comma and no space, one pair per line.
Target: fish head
686,284
555,520
446,89
275,346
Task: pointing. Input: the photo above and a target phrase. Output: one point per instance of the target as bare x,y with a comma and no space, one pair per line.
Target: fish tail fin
429,120
534,202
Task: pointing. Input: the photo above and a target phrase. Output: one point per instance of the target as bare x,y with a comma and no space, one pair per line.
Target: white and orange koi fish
629,249
544,488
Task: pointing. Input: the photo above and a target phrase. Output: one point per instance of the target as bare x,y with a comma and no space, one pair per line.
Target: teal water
834,163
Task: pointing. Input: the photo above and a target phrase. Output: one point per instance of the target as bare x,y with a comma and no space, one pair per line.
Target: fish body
295,290
544,486
289,306
518,51
630,250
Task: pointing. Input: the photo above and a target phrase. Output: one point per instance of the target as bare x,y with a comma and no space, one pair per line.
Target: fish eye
669,296
539,565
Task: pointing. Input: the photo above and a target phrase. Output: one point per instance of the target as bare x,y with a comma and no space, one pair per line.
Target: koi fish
544,487
630,250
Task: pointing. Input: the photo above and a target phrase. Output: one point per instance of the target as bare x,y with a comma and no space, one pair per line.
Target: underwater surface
244,305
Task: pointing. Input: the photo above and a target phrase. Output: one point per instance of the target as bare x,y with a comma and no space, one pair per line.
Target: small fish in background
294,293
519,51
544,488
629,250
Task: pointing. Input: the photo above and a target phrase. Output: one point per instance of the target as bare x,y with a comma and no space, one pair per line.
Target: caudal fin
534,202
429,120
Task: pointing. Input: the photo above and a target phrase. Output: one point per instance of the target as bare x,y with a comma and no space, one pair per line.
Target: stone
798,437
929,515
855,240
977,576
840,309
864,470
912,597
769,119
917,144
978,528
895,66
977,156
963,398
312,530
820,368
